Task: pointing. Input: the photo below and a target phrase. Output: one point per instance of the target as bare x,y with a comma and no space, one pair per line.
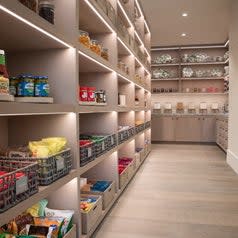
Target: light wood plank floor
181,191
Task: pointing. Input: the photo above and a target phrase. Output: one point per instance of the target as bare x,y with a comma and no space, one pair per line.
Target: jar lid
49,3
2,52
95,42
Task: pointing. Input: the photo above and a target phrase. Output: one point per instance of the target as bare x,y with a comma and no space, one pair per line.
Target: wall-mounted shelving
35,46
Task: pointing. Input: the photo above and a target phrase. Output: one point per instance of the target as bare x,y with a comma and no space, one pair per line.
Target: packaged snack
54,222
40,231
66,214
38,210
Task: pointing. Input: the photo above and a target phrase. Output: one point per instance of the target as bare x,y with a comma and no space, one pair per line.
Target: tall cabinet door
163,128
188,129
208,129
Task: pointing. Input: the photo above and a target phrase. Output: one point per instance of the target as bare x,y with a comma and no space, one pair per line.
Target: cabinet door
188,129
208,129
163,129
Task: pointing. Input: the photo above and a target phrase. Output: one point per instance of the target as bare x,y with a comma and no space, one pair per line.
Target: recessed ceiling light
185,14
183,34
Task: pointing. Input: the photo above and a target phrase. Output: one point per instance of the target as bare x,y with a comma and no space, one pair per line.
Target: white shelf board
190,94
203,63
16,108
27,37
6,98
166,79
44,192
91,62
92,104
203,78
164,65
43,100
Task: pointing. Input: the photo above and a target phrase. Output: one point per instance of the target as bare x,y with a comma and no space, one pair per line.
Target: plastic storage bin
90,218
123,178
19,182
107,195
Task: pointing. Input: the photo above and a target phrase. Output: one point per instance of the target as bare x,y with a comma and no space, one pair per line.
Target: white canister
122,100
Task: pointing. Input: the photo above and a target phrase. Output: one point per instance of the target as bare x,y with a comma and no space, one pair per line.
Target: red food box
83,94
91,94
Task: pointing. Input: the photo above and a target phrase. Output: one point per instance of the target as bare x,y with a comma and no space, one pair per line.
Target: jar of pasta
96,47
84,38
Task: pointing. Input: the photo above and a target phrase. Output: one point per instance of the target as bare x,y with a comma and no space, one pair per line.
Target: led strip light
101,18
34,26
110,69
130,23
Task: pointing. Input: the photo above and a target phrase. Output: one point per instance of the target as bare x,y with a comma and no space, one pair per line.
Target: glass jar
84,38
47,11
26,86
101,96
42,88
104,53
95,47
13,86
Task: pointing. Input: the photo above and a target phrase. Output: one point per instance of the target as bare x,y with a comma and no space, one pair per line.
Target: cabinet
163,128
222,132
184,128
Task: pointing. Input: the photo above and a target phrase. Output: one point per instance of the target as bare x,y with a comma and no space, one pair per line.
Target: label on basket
103,145
21,185
122,137
89,152
59,163
112,140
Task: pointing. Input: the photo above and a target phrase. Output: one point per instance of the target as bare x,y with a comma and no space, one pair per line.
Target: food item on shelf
39,231
26,86
13,85
187,72
38,210
216,73
53,222
96,47
31,4
87,203
84,38
104,54
161,73
138,122
226,55
47,10
16,152
123,164
96,186
100,96
91,94
4,78
47,147
83,94
42,88
165,59
66,214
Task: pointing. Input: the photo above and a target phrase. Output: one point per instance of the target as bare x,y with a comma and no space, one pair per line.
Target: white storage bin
123,178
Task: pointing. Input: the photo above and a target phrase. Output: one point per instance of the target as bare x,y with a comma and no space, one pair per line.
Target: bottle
4,81
3,68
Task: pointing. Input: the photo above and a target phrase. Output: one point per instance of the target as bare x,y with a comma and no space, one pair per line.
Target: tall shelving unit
34,45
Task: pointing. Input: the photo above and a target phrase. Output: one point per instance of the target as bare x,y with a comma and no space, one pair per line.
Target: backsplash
186,99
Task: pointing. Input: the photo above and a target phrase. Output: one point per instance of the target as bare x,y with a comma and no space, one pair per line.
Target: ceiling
207,21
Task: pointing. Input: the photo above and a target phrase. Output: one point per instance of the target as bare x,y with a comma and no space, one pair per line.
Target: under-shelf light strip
104,66
129,51
34,26
130,23
101,18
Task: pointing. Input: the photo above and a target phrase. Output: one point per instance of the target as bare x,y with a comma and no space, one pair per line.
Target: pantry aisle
181,191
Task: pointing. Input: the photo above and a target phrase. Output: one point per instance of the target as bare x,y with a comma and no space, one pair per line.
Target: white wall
232,156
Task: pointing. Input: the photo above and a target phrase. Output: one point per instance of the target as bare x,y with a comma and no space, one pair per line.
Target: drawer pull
95,207
110,190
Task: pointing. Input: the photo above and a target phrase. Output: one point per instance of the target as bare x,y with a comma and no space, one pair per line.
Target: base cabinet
184,128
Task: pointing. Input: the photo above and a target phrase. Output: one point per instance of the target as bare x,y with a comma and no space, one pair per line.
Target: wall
232,156
186,99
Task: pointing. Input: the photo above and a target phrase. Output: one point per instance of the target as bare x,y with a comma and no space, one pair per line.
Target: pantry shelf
44,191
44,100
6,98
166,79
204,78
36,34
203,63
91,62
15,108
164,65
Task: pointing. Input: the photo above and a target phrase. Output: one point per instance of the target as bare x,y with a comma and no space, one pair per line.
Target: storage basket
87,153
50,168
139,128
122,136
19,182
147,124
110,142
131,132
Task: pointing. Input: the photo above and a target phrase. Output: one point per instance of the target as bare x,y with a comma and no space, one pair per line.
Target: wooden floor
181,191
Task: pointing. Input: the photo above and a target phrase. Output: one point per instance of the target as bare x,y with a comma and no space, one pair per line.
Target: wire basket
19,182
139,128
50,168
87,153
